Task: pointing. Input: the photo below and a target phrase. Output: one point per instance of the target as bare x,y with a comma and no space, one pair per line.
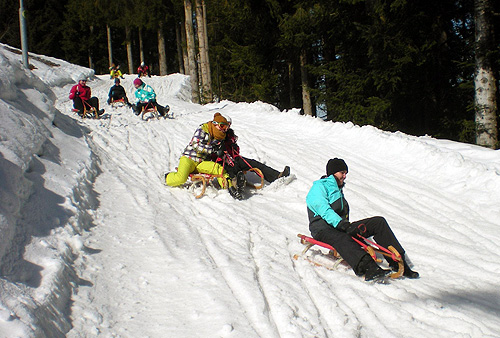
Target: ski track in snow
188,248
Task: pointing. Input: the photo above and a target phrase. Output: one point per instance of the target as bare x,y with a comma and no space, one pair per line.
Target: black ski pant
244,164
150,104
79,104
351,251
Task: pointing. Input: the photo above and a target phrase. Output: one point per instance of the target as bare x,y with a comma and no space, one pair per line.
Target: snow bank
46,196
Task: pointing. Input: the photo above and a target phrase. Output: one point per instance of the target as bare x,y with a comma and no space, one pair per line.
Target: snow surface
92,244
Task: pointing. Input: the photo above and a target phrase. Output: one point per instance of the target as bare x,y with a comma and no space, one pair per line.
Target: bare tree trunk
206,92
128,37
91,61
291,85
110,49
191,48
306,95
141,46
162,54
179,48
185,58
484,77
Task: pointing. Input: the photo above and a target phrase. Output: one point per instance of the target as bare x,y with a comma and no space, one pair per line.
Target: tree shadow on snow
28,209
485,301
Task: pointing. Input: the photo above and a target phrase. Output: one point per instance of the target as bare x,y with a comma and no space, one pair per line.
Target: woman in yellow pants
206,140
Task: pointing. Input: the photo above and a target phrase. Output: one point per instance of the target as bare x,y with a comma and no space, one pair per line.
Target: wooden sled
88,111
151,109
118,103
201,181
370,247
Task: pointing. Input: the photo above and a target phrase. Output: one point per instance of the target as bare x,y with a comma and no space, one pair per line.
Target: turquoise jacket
326,203
145,93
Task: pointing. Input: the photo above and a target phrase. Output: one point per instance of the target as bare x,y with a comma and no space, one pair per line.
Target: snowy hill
92,244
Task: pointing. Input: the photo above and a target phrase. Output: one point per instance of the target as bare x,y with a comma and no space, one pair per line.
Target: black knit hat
335,165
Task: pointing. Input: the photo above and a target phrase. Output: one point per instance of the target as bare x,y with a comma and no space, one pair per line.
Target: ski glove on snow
351,229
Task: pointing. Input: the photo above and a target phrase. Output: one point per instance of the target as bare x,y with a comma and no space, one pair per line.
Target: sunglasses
222,125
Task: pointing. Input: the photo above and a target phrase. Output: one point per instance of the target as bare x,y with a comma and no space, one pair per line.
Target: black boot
370,269
407,272
234,193
240,181
285,172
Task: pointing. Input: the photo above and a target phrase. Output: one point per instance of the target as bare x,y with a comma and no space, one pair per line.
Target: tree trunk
110,49
91,61
185,58
291,86
141,46
128,37
178,39
206,92
191,49
306,95
162,54
484,77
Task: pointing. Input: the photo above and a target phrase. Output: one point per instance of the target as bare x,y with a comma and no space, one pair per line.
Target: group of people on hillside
213,150
144,94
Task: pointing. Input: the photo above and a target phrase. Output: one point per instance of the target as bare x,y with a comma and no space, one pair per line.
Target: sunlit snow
92,244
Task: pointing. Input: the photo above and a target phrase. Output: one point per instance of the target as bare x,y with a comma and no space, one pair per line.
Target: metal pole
24,36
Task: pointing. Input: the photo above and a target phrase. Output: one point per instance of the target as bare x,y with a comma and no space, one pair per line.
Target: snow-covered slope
92,244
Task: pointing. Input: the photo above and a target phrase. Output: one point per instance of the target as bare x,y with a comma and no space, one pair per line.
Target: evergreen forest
404,65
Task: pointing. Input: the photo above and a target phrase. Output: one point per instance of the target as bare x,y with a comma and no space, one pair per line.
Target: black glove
77,93
219,149
351,229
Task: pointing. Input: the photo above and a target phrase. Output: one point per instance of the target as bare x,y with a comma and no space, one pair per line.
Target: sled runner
151,109
370,247
89,111
118,103
199,182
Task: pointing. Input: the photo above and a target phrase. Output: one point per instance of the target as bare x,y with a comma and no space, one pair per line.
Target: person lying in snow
228,154
328,213
197,154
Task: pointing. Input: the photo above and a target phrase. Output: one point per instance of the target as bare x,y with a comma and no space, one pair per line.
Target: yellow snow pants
187,166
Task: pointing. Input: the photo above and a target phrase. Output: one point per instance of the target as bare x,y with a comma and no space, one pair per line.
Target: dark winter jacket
230,147
326,205
117,91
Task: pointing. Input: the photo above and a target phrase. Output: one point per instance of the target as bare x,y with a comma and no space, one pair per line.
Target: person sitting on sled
235,164
115,72
146,98
81,95
143,70
328,213
117,92
197,154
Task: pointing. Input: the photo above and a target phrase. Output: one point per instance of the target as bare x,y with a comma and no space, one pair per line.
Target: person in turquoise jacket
328,213
146,97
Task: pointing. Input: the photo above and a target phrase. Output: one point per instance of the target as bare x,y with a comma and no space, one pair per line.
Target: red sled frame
370,247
